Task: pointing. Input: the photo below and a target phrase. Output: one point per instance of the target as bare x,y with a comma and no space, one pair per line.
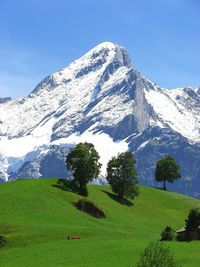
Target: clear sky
39,37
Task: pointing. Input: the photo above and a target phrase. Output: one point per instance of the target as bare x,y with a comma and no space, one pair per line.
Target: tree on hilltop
83,162
122,176
167,170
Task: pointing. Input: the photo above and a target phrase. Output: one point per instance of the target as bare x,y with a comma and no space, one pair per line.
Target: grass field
36,217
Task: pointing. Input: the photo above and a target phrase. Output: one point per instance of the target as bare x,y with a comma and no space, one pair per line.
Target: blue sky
39,37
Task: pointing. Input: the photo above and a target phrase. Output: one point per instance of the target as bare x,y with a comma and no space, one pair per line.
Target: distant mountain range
101,98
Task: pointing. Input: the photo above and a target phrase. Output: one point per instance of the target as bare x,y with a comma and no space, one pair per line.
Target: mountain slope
99,97
153,144
178,109
37,217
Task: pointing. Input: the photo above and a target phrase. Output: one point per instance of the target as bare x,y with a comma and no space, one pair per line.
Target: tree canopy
122,176
167,169
193,220
83,161
167,234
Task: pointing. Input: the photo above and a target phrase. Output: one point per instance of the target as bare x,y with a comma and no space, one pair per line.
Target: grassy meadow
36,217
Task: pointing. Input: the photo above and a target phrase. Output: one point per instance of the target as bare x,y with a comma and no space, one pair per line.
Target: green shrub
167,234
2,240
156,255
90,208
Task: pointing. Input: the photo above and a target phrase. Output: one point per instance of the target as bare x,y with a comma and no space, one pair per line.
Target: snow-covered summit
98,97
76,84
93,61
107,51
102,87
114,51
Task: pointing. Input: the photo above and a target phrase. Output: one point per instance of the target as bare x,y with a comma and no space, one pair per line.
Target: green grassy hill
36,217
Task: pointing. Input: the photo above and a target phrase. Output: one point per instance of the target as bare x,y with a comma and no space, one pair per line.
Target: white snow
105,146
181,115
83,92
70,99
143,145
3,167
19,147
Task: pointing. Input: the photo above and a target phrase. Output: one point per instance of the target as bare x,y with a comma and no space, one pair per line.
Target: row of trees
83,162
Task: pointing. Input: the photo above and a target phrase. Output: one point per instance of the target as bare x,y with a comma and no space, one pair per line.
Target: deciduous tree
167,169
122,175
193,220
83,161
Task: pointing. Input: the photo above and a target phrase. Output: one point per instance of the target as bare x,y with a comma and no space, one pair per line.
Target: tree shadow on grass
62,187
2,241
89,207
159,188
122,201
66,185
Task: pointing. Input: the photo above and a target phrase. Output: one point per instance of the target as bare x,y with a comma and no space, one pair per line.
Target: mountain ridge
98,97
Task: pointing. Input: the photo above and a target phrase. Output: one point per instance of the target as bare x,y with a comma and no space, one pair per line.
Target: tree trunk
164,185
121,194
83,189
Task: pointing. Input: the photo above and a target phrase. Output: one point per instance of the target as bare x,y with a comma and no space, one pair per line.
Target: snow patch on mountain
177,108
17,151
103,144
3,168
20,146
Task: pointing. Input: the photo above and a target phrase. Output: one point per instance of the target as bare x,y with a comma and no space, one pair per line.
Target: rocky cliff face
101,98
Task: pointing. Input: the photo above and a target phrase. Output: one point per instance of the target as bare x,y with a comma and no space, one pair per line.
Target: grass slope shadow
116,198
89,207
67,185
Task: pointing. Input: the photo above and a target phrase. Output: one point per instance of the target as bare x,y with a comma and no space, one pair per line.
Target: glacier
101,98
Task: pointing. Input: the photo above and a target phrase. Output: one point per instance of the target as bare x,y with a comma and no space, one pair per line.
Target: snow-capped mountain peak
98,97
99,57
